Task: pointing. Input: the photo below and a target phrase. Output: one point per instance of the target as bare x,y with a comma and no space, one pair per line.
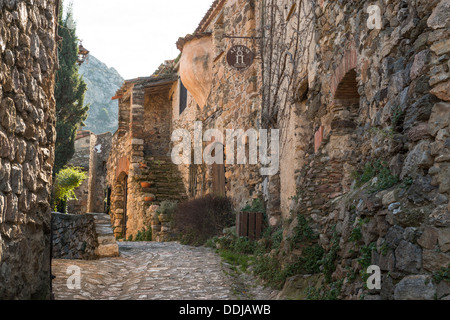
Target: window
183,97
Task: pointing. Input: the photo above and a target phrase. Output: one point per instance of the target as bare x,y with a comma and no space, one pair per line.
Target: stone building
91,154
140,170
81,160
193,90
223,98
27,137
362,105
359,94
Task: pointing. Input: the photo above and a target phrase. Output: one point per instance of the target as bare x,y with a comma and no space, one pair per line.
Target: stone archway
335,135
344,112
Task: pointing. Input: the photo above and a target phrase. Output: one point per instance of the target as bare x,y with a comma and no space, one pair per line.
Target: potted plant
146,184
150,198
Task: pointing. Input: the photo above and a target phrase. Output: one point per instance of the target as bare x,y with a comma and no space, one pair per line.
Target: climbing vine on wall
287,32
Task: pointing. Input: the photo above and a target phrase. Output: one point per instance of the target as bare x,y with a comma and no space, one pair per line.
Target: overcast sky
136,36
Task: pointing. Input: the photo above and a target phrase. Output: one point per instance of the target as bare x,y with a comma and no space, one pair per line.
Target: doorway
218,174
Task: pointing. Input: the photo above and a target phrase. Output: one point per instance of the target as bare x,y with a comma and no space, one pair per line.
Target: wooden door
218,179
218,175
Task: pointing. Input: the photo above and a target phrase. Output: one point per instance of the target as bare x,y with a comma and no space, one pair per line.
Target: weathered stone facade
351,96
81,160
98,187
224,98
140,171
363,114
91,154
74,236
27,136
83,236
151,109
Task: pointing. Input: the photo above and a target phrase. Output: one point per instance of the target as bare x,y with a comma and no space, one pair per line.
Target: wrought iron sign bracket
237,37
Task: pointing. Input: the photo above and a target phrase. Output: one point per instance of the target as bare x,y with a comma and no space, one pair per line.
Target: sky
135,36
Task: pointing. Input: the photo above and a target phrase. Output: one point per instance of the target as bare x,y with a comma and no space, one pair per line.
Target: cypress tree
69,92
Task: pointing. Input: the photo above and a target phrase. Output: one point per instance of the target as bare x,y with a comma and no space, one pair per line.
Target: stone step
103,229
107,244
104,240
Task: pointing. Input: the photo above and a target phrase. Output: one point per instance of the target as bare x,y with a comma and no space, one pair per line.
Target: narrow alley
156,271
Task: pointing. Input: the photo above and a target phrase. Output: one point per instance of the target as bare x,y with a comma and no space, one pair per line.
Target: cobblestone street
156,271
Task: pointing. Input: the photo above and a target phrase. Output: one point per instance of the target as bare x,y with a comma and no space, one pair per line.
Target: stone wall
140,171
156,135
100,151
27,137
74,236
118,167
81,159
372,121
233,98
91,154
185,120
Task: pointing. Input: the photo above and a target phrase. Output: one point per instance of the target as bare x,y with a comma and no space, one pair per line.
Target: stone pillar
100,149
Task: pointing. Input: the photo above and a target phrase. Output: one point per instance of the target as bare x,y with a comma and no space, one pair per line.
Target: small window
183,97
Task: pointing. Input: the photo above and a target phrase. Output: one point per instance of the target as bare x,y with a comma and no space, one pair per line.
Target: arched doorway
345,111
346,105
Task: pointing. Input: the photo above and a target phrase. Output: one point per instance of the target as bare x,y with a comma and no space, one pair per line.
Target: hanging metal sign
240,57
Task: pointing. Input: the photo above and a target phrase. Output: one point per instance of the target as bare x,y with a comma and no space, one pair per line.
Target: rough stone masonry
27,136
366,110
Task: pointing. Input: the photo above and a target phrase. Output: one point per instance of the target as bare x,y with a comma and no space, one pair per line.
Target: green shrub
443,274
302,232
329,259
256,206
66,181
167,207
269,269
329,291
144,235
379,169
240,260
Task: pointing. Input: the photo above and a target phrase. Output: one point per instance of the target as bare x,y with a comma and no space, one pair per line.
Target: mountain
102,83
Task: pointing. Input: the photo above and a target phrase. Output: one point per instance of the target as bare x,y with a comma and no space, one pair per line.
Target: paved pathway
155,271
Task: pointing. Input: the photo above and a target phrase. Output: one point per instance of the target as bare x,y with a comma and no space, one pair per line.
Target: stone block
390,197
433,260
442,91
439,18
444,239
5,147
442,289
109,250
416,287
441,47
429,238
440,117
420,156
408,257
